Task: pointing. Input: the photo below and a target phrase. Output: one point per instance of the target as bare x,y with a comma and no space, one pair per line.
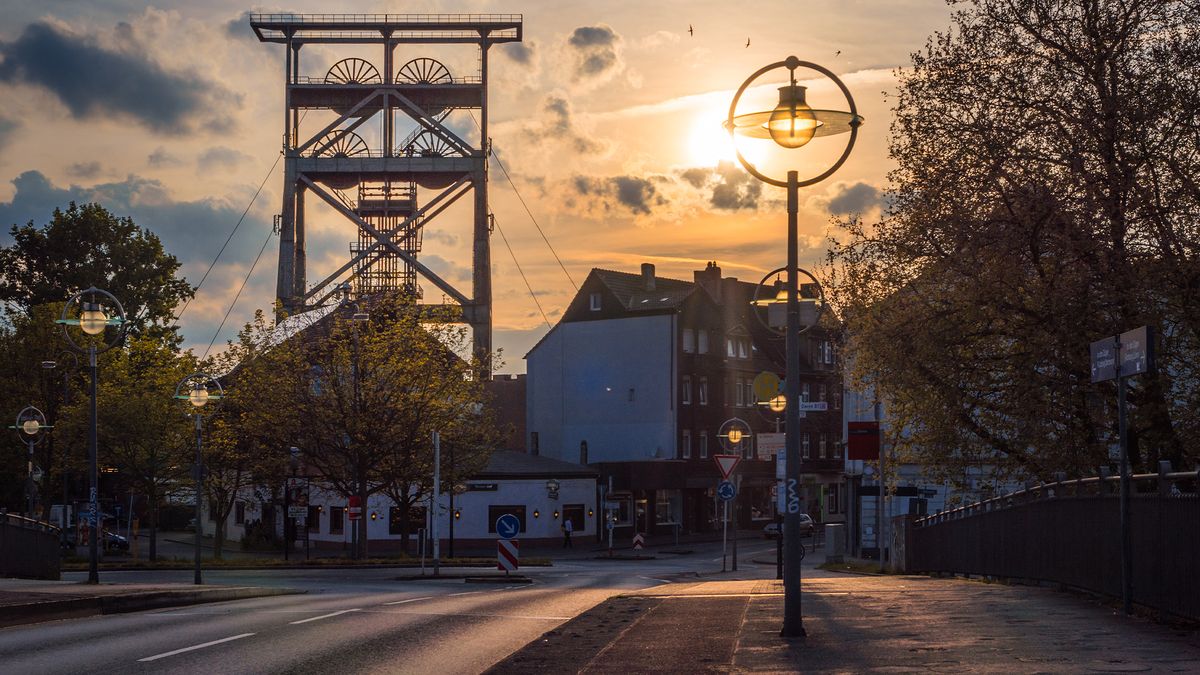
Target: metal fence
29,548
1069,532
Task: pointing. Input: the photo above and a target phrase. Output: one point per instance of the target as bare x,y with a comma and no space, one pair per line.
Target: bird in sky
839,53
747,42
690,31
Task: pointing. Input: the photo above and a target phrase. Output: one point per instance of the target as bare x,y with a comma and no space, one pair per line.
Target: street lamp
199,389
94,321
792,124
31,426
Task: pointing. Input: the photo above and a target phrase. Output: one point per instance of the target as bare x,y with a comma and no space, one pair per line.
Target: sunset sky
607,117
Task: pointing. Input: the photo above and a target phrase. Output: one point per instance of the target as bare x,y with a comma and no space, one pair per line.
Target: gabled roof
630,290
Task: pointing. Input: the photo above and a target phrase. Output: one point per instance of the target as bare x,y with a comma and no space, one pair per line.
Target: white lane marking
465,593
401,602
194,647
661,581
323,616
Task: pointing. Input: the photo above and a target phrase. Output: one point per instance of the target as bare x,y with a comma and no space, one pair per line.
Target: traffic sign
813,406
727,463
297,511
726,490
766,386
770,445
1136,351
354,508
638,540
1104,359
508,526
507,553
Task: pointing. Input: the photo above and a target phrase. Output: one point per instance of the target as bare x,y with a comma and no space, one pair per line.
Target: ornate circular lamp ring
735,435
200,389
776,304
93,319
31,425
792,123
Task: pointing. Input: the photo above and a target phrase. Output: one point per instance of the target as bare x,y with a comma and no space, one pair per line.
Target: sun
709,144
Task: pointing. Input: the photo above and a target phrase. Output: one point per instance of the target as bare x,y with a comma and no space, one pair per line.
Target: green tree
1044,198
85,246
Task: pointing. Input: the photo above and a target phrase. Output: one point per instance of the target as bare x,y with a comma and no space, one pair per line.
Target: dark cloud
639,195
596,51
7,127
220,157
93,82
84,169
161,158
556,124
729,187
192,231
521,52
856,198
239,27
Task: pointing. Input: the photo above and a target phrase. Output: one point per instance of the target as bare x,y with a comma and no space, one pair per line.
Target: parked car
771,530
114,542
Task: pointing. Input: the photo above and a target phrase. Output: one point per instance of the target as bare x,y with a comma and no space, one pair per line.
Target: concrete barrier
29,549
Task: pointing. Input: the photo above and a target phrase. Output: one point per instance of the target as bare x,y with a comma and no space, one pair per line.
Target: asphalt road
350,621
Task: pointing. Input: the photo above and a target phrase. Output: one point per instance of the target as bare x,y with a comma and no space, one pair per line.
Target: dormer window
595,302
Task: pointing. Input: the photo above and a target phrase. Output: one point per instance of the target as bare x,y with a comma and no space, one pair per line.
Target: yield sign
727,463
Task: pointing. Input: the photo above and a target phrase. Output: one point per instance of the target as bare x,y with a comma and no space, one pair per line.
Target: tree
1044,199
361,400
85,246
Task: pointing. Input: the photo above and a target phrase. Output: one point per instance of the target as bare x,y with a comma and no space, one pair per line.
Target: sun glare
709,144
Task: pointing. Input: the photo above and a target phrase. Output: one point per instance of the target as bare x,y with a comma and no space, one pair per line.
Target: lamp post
198,390
31,426
94,321
792,124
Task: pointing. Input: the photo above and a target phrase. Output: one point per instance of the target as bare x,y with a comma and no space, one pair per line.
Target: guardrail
1068,532
29,548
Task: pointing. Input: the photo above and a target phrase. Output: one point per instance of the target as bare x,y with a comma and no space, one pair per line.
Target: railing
320,79
1069,532
295,19
29,548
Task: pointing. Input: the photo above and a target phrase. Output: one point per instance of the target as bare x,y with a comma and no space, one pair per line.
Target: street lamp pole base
793,631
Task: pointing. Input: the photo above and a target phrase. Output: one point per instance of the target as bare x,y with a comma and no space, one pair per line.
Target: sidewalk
857,624
24,601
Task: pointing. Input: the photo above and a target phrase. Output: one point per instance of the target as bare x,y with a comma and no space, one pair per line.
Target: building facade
638,378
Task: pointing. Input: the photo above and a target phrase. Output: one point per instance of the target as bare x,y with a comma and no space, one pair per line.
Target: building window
823,448
826,351
667,505
595,302
743,352
337,519
741,392
804,445
749,384
834,501
314,519
702,392
686,396
748,447
685,444
702,347
836,395
821,392
837,450
239,512
495,511
689,341
533,443
806,392
730,350
703,445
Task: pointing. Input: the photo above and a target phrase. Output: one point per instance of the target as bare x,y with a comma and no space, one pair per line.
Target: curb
499,579
76,608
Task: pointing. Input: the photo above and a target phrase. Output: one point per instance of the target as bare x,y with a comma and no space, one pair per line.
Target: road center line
401,602
194,647
464,593
323,616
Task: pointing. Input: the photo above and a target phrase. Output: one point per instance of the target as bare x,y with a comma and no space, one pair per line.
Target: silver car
771,530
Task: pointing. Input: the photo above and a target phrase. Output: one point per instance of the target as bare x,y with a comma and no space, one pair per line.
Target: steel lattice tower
376,188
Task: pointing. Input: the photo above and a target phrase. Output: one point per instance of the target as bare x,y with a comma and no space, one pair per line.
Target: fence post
1104,473
1164,468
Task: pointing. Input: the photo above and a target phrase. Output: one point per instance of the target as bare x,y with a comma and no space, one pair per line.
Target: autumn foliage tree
1044,197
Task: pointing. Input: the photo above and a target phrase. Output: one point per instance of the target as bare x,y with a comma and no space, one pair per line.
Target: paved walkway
858,624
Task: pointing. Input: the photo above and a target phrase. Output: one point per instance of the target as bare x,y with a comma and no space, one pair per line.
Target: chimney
648,276
710,280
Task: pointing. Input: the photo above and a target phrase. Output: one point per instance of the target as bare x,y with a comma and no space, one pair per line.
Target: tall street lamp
68,373
199,390
31,426
87,309
792,124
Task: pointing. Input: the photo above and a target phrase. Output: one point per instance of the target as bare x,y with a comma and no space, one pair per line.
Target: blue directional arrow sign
508,526
726,490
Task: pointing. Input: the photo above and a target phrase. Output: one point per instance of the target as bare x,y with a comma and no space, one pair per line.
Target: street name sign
814,406
1137,351
726,464
508,526
726,490
1104,359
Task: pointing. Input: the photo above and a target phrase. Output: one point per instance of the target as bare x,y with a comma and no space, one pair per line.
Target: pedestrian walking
567,528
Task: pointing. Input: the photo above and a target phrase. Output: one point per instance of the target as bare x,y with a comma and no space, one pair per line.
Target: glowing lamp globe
198,396
735,436
31,427
92,319
792,123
